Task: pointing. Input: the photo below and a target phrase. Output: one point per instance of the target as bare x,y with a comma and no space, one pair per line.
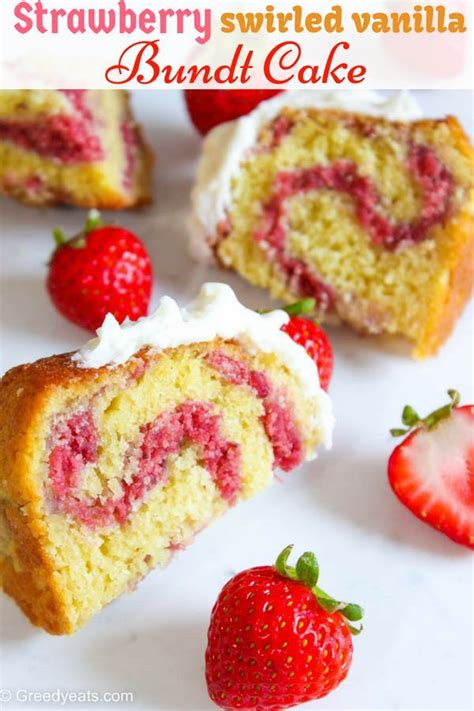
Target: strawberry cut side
432,473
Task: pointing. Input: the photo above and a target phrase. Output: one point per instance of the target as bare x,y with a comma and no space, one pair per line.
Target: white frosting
226,146
215,313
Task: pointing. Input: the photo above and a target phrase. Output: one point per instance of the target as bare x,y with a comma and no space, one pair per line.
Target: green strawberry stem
94,220
59,236
412,420
299,308
306,572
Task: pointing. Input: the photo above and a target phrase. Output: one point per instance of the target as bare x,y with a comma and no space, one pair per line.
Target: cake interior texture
107,472
371,217
79,147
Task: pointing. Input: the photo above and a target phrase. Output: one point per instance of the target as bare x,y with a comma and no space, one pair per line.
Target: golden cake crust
452,296
23,392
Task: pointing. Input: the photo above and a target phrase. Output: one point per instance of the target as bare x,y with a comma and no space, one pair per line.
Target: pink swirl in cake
75,443
278,419
433,178
68,137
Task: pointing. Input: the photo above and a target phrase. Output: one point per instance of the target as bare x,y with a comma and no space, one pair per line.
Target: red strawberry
312,337
105,269
210,107
276,640
432,470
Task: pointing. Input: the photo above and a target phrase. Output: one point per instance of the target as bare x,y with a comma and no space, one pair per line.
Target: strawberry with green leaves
276,639
432,470
104,269
312,337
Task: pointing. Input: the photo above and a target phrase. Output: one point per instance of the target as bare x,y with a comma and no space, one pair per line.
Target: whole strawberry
105,269
432,470
312,337
276,640
210,107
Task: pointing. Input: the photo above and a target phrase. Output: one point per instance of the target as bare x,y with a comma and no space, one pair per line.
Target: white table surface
415,584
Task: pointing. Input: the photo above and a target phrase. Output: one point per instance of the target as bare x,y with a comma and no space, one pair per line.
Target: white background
415,584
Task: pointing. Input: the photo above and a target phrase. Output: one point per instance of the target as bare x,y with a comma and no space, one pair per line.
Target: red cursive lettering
139,54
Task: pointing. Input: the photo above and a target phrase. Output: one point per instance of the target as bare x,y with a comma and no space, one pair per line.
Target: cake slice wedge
347,197
75,147
115,456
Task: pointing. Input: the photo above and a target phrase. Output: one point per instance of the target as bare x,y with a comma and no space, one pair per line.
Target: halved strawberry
432,470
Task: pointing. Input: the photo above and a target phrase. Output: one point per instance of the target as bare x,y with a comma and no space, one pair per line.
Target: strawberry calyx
301,308
59,236
412,420
306,572
304,307
93,222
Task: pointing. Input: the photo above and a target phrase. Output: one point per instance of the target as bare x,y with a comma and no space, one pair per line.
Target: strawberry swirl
75,445
432,177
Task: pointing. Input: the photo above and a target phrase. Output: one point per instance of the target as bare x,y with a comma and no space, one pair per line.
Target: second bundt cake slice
336,196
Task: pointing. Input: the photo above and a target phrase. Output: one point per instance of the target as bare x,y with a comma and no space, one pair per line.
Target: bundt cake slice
332,195
76,147
114,457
